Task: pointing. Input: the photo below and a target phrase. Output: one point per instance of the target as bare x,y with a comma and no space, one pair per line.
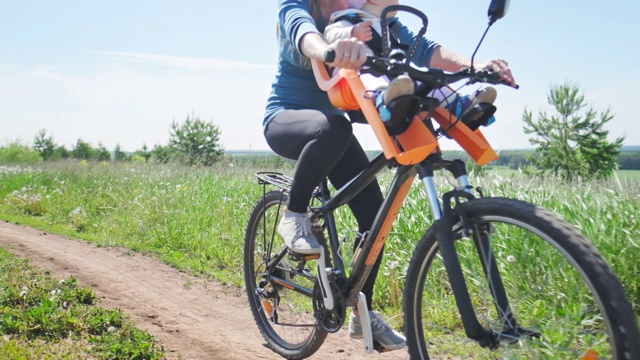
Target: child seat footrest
401,111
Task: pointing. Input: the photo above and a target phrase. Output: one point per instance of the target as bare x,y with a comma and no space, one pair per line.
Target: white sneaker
382,332
295,228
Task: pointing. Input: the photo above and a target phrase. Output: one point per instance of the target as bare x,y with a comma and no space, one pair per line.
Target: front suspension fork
445,221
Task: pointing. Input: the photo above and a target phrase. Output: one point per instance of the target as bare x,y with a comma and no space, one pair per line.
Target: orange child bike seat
346,92
473,142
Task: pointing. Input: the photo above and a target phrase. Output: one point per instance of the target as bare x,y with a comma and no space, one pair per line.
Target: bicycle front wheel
285,317
532,278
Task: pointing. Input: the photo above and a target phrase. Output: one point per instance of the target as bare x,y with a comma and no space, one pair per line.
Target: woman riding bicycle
300,123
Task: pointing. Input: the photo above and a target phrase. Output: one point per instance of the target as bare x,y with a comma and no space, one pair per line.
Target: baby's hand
362,31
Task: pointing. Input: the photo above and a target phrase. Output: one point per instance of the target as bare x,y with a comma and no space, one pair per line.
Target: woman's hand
501,67
350,53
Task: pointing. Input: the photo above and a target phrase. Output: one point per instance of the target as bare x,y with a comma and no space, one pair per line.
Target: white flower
77,211
511,258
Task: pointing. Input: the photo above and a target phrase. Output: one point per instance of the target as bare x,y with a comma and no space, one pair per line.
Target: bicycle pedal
301,257
379,348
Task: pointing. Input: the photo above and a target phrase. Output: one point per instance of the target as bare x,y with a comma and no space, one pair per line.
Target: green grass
194,218
629,174
46,318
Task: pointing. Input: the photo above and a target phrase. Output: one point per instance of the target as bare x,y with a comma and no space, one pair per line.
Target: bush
16,152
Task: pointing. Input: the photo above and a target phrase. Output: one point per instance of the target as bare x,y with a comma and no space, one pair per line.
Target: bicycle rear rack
281,181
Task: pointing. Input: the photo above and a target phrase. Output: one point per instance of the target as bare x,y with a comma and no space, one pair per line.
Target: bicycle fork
445,221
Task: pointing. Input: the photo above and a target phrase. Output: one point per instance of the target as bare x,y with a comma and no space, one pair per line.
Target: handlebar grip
329,56
515,86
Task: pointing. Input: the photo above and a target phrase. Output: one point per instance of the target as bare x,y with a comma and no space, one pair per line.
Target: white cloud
183,62
117,102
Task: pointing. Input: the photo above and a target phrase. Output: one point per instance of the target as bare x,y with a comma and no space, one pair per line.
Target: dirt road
192,318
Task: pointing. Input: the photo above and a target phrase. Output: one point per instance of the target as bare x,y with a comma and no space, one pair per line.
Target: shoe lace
378,322
303,226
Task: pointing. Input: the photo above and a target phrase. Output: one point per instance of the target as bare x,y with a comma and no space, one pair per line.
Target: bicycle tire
588,312
290,328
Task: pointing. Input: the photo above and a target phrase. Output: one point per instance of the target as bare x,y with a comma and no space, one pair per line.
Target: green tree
83,151
162,154
573,142
44,145
119,155
102,154
142,154
60,152
196,142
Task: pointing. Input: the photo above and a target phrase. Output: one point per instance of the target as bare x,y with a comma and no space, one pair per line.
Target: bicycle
473,250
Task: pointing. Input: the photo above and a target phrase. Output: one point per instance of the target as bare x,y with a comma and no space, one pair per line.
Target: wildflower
77,211
511,258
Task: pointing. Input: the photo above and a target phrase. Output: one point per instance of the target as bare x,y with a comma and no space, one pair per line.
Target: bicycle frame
413,152
373,243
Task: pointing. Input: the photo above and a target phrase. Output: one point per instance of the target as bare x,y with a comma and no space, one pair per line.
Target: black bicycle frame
445,220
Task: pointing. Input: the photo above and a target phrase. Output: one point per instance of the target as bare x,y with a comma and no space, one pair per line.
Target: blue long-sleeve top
295,86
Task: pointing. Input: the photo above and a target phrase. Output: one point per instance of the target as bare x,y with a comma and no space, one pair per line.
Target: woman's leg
316,140
365,205
324,145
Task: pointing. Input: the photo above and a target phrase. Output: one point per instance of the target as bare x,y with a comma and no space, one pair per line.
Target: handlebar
429,78
329,56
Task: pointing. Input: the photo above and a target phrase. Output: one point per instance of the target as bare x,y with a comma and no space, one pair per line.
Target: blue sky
121,71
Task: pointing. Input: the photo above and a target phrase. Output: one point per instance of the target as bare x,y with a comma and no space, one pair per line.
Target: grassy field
47,318
195,218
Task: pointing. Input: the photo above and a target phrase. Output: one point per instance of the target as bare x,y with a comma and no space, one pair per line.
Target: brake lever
491,77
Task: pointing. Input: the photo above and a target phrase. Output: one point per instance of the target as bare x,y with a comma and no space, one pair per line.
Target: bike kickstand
365,323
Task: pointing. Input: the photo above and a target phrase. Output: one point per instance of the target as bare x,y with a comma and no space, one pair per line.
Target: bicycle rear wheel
558,287
285,317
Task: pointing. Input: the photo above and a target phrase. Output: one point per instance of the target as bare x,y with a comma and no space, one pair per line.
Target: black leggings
325,146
